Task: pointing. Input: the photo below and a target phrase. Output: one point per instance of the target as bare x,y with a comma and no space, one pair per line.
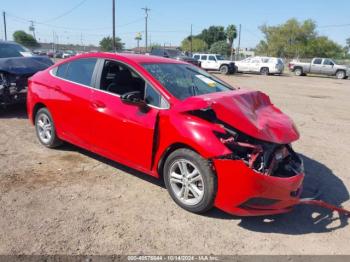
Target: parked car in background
261,65
174,54
40,52
215,62
68,54
58,54
320,66
213,145
17,64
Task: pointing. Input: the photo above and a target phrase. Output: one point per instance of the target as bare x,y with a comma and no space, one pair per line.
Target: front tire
190,180
341,74
45,129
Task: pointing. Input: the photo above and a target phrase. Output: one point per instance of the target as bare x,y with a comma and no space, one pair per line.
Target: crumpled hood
250,112
24,65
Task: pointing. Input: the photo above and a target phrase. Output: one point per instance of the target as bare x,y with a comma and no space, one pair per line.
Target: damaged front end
14,74
258,177
13,88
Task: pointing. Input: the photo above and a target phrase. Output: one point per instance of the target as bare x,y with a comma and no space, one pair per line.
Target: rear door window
318,61
203,57
78,71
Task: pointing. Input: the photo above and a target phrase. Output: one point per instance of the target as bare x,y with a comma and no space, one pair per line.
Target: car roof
136,58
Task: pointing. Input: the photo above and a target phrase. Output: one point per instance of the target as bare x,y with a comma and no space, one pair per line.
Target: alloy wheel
186,182
44,126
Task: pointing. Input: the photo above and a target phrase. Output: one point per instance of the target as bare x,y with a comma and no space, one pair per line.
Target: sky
88,21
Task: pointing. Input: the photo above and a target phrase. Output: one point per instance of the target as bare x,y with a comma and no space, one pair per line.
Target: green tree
323,47
106,44
25,39
296,39
198,45
231,33
212,34
220,47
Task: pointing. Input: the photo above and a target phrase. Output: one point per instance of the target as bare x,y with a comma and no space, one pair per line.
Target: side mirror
134,98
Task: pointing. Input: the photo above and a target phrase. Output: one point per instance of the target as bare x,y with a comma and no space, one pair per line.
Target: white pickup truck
320,66
215,62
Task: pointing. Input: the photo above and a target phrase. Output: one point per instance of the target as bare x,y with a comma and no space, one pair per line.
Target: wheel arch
36,108
224,65
170,149
340,70
298,67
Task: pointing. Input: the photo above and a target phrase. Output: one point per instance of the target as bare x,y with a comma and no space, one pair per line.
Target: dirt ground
69,201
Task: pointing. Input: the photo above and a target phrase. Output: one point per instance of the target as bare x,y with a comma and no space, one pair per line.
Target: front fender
182,128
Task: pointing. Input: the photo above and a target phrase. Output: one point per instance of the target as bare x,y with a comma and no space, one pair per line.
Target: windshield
184,81
12,50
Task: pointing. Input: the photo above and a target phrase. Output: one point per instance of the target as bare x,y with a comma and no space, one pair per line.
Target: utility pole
191,41
5,32
146,9
239,41
32,28
82,42
113,10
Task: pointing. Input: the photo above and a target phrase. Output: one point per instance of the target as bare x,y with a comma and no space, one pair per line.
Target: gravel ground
69,201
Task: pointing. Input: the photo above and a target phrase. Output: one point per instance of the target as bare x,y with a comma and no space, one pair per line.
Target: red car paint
102,123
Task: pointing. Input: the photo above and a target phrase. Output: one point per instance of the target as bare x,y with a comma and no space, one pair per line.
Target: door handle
98,104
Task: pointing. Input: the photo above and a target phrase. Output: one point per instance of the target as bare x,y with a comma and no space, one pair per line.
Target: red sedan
213,144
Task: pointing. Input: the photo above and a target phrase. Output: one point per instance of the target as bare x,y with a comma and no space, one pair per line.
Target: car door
327,67
204,62
122,131
243,66
70,99
316,66
255,65
212,63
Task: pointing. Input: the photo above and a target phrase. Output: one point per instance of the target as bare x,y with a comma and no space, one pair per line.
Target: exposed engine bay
14,74
264,157
13,88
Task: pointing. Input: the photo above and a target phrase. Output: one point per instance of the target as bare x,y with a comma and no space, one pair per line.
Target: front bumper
12,95
245,192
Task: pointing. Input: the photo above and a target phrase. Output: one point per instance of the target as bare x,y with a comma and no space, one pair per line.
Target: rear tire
224,70
45,129
190,181
298,72
340,74
264,71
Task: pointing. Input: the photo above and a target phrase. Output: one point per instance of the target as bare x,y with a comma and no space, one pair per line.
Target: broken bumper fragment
245,192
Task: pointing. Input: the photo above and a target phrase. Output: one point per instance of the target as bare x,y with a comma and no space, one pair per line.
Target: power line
67,12
24,20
